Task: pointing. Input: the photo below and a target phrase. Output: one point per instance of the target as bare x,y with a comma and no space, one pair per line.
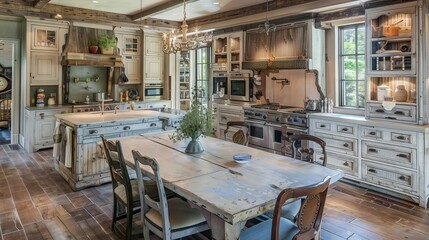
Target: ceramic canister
401,95
40,97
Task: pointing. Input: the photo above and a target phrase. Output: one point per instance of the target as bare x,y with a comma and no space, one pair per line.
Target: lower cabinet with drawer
388,157
40,126
226,114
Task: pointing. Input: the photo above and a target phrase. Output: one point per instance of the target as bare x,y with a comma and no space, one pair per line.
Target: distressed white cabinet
40,126
389,157
132,65
45,38
153,67
153,44
227,113
44,68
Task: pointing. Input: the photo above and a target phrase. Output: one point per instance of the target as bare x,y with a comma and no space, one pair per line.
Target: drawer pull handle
393,118
321,158
224,117
345,129
323,125
399,113
400,137
401,155
346,164
42,116
127,128
139,107
346,145
93,131
372,170
403,178
372,133
153,124
63,112
379,111
373,150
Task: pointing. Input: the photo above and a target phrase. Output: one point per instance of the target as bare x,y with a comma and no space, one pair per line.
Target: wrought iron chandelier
267,27
175,42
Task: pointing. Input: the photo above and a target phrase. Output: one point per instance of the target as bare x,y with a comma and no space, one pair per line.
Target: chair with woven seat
169,219
309,218
125,190
240,137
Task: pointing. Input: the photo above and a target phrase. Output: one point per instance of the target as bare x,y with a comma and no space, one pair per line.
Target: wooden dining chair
308,151
308,221
125,190
240,137
169,219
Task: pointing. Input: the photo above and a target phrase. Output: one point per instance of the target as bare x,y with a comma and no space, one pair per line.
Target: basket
387,31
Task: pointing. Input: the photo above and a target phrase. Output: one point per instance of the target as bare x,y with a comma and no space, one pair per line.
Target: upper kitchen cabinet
393,88
132,69
44,38
228,51
153,45
153,67
130,45
44,68
391,36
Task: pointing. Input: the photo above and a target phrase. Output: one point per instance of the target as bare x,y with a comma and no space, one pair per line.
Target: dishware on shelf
401,95
383,91
413,96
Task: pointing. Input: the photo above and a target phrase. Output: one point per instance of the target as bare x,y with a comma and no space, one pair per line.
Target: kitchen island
84,165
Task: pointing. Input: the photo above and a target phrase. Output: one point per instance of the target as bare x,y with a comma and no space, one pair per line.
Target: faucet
116,109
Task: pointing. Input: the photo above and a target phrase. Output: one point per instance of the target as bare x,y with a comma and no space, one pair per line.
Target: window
351,57
203,67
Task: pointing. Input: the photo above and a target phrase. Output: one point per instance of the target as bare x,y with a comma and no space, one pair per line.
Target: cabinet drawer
389,135
41,114
339,144
391,177
96,131
338,128
401,156
322,125
347,129
344,163
406,113
224,118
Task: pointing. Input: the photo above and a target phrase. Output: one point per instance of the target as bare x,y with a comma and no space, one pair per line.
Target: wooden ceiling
278,9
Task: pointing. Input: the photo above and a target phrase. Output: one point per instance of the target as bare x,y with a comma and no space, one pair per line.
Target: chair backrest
240,137
309,151
161,205
5,109
310,214
117,166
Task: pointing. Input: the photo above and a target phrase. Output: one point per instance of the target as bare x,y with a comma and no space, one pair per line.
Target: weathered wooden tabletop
228,193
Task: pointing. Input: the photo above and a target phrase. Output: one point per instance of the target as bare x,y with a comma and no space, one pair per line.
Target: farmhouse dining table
228,193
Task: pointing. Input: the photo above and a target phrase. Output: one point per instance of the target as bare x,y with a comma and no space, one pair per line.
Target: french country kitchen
214,119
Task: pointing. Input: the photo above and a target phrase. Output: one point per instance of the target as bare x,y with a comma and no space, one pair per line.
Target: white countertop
110,116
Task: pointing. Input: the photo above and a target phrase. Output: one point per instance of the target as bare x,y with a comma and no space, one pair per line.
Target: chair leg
146,232
115,214
129,221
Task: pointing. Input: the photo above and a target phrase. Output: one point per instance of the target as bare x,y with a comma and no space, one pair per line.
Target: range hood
76,50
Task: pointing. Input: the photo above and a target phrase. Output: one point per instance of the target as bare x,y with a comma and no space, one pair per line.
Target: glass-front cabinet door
44,38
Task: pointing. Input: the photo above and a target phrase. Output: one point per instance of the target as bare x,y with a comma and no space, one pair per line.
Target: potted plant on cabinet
93,46
106,44
195,123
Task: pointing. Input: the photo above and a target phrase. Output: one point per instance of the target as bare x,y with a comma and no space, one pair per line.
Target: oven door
275,142
239,89
293,130
153,92
258,133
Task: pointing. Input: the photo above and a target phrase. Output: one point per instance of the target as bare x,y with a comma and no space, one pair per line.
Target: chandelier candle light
173,43
267,27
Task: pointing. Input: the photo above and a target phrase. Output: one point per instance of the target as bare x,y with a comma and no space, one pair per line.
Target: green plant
196,121
106,41
93,42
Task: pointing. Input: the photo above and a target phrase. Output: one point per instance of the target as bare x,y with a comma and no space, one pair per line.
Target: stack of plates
242,157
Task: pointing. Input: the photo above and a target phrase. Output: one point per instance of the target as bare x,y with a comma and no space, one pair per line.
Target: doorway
7,73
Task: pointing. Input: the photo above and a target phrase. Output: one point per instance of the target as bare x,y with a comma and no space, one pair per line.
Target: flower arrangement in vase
197,122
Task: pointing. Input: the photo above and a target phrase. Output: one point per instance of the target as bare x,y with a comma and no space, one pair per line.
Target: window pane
361,94
349,93
349,68
349,41
361,67
361,40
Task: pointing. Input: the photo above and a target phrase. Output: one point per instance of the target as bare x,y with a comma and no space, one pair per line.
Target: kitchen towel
69,147
57,140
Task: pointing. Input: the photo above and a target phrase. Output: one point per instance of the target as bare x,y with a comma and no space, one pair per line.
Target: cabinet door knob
372,133
372,170
93,131
373,150
346,145
346,164
127,128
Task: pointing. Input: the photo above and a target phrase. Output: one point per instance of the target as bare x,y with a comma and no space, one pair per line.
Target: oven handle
257,122
296,129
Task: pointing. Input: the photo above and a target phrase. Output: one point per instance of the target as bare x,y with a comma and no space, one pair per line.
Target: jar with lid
40,97
401,95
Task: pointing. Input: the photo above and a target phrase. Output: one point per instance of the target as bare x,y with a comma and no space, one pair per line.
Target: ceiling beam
23,8
159,9
40,3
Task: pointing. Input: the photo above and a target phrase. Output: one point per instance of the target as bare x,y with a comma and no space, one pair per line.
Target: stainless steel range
269,122
95,106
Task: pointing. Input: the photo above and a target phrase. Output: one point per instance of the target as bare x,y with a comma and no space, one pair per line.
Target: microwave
153,91
240,87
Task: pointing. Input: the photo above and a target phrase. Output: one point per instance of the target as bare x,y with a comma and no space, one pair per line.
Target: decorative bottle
401,95
40,97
